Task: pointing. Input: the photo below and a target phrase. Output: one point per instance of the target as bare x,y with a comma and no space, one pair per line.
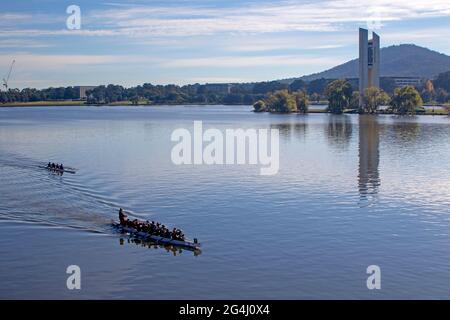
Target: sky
201,41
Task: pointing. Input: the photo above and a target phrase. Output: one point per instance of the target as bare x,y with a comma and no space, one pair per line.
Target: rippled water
352,191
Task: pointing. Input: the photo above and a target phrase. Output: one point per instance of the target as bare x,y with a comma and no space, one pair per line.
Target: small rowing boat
187,244
65,170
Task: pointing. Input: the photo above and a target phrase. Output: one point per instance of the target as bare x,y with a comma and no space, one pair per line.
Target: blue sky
180,42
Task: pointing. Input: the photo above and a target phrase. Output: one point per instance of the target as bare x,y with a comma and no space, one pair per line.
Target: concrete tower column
369,62
363,63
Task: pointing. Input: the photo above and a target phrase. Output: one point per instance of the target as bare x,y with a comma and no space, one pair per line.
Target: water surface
351,191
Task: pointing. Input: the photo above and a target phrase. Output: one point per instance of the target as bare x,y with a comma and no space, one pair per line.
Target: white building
83,90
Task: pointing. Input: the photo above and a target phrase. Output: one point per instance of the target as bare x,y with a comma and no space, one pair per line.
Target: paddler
122,217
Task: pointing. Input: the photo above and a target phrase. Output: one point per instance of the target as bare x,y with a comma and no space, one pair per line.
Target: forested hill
406,60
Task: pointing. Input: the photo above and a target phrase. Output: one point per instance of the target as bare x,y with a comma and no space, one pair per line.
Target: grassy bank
436,112
62,103
44,104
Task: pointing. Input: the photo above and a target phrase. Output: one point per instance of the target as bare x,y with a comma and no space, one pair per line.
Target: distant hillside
406,60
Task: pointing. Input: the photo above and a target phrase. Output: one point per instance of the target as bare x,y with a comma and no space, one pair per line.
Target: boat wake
32,196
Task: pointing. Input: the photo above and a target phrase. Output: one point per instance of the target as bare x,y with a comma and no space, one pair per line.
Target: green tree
248,99
339,93
135,100
443,81
388,85
3,97
297,85
281,101
315,97
354,101
302,101
442,95
259,106
373,98
317,86
406,100
266,87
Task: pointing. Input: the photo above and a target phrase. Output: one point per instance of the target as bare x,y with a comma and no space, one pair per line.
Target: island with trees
341,98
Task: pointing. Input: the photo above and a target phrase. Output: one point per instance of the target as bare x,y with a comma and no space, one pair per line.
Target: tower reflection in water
369,157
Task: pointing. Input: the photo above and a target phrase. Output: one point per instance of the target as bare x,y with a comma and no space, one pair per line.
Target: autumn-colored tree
406,100
373,98
259,106
428,94
281,101
302,101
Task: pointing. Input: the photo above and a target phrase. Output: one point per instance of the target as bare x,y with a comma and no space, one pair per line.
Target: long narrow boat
187,244
65,170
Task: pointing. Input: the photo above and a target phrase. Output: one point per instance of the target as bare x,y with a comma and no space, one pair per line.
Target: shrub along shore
439,110
343,99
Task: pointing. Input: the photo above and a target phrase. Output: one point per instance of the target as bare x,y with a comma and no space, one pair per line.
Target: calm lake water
352,191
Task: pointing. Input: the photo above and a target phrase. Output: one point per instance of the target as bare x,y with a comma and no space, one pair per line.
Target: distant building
407,81
224,88
83,90
369,62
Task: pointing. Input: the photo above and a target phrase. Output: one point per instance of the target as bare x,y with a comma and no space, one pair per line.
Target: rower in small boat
122,217
55,166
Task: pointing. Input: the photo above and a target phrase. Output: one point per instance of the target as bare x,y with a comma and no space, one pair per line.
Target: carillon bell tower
369,62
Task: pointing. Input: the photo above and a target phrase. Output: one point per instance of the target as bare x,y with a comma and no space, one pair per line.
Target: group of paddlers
55,166
151,228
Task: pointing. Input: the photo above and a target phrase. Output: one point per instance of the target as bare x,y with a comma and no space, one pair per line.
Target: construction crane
5,81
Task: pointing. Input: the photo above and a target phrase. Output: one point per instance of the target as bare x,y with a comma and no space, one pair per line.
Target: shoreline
430,111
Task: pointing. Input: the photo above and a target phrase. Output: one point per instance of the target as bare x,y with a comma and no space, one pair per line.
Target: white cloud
216,80
28,61
14,17
287,42
286,16
222,40
49,61
329,15
59,32
253,61
431,34
21,43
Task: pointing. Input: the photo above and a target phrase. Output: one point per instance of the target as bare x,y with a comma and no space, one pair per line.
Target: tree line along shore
272,96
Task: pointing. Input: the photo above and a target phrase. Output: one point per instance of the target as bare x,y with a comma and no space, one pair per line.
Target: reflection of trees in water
289,129
284,128
339,130
412,135
406,132
369,155
152,245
